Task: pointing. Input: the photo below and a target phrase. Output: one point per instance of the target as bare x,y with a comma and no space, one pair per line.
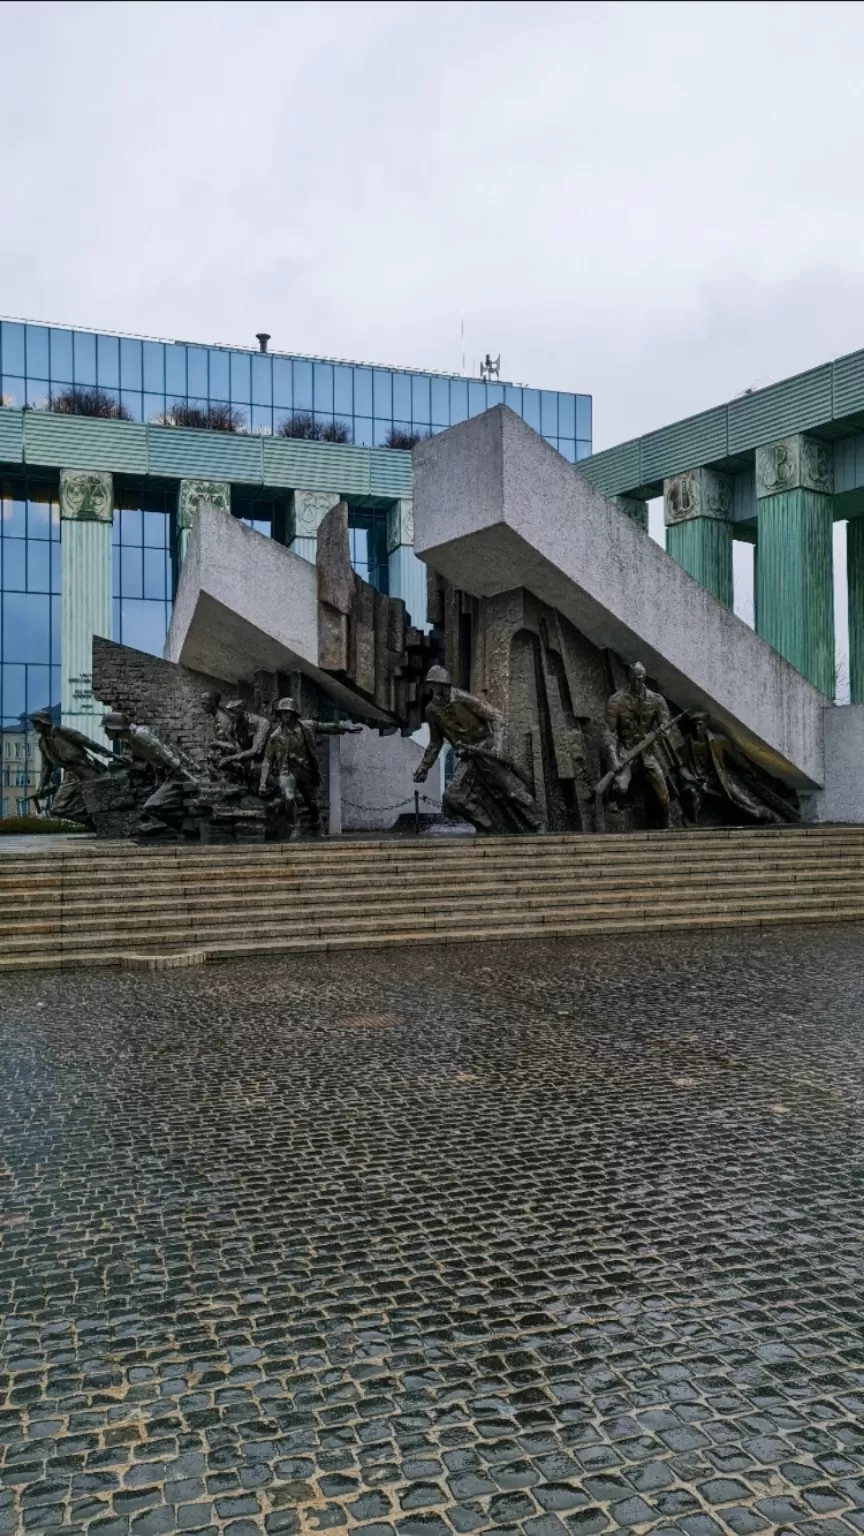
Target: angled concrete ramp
496,508
245,604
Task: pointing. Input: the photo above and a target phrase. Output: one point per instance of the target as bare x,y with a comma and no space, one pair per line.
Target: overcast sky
658,204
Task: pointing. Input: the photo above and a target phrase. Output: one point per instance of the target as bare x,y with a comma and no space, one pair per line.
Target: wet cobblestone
559,1240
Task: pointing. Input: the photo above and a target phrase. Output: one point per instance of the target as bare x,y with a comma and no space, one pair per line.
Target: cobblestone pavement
545,1239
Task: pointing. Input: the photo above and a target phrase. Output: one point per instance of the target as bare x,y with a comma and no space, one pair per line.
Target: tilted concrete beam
496,508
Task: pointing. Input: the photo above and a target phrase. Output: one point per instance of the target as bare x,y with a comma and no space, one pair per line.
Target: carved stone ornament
86,495
794,463
310,510
400,525
217,493
697,493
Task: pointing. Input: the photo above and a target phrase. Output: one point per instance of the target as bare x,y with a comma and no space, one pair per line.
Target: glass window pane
363,391
54,547
441,402
108,360
302,385
38,391
583,450
134,403
220,379
382,384
84,357
421,401
549,412
531,408
196,376
380,432
14,391
14,693
282,382
154,573
38,688
154,367
241,378
116,633
343,393
458,400
38,365
583,416
363,432
476,398
262,380
513,397
279,419
494,395
14,512
61,357
154,405
115,569
130,363
38,518
12,338
144,625
130,524
155,529
262,418
567,448
323,381
38,566
131,571
566,416
402,396
54,610
26,624
175,372
14,569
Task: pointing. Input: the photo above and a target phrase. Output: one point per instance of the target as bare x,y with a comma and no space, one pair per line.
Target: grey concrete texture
378,781
156,693
496,508
245,604
842,798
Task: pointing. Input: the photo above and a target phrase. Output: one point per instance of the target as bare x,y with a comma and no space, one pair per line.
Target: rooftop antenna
262,338
463,343
490,368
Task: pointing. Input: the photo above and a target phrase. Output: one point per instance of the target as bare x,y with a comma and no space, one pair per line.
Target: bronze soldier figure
716,767
291,759
632,714
488,788
79,760
148,757
242,750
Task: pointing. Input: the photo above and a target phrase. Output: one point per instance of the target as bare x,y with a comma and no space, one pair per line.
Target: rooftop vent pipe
262,338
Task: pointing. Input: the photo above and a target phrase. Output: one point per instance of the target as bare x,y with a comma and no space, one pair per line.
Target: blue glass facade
266,389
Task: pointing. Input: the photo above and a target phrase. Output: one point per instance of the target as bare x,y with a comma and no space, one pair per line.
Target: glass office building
148,379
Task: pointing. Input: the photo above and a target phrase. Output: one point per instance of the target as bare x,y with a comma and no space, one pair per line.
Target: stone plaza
543,1239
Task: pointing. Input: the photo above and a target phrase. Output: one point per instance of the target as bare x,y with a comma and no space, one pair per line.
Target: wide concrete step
199,873
261,948
147,913
418,918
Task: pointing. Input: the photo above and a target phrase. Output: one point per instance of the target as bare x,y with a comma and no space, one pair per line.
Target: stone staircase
114,904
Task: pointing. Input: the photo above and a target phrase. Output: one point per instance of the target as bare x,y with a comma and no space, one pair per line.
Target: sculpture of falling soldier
290,761
488,789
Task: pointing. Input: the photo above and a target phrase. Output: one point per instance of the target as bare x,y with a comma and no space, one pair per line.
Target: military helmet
41,716
439,675
115,721
637,670
233,706
286,704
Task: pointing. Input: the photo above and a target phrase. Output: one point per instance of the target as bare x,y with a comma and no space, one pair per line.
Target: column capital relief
87,495
309,511
794,463
697,493
217,493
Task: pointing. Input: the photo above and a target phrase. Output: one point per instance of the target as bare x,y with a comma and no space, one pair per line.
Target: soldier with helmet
488,788
632,714
291,760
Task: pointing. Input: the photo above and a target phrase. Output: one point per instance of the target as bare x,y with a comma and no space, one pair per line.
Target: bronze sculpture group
262,778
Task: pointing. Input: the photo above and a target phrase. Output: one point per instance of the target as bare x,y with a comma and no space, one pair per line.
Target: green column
697,508
86,515
855,582
795,571
194,494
